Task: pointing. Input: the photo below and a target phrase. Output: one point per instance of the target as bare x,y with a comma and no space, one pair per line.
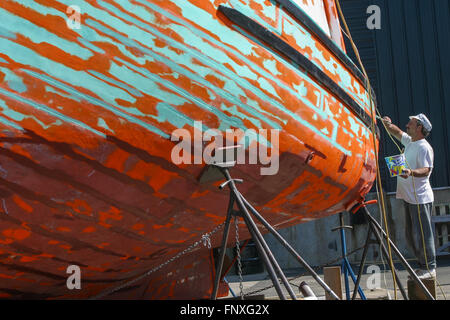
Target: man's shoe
416,272
425,274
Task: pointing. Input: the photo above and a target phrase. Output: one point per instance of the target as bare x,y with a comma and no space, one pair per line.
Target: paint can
396,164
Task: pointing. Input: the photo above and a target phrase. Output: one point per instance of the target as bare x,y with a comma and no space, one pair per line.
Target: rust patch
341,166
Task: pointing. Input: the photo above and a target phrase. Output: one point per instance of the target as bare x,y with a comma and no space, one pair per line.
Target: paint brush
380,118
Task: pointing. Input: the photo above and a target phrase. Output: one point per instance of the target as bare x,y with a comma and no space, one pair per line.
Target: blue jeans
413,234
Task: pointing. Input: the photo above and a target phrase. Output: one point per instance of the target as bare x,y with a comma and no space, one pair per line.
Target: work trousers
413,232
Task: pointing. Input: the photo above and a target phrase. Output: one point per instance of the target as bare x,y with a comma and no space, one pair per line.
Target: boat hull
87,124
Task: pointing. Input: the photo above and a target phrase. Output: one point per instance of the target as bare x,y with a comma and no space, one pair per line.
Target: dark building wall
408,63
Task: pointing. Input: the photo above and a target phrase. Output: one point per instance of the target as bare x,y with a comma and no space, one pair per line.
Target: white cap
424,120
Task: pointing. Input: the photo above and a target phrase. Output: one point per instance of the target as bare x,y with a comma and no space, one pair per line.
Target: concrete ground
260,284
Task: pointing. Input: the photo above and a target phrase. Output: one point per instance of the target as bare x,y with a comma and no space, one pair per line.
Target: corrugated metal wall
408,62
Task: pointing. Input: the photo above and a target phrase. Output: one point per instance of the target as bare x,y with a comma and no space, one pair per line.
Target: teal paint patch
186,59
62,94
245,60
151,81
168,113
7,34
132,75
13,81
44,10
181,70
98,102
101,123
11,113
234,81
304,40
301,89
268,11
193,36
271,65
57,70
17,116
212,51
264,84
91,35
234,111
243,70
205,20
308,103
10,123
131,90
87,35
91,46
17,25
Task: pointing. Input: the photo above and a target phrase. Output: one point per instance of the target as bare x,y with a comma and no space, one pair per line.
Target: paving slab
376,285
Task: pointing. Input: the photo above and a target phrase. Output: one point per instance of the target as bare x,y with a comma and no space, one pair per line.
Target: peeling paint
86,117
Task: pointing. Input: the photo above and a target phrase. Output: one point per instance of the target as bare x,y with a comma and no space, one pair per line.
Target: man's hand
418,173
406,173
392,128
386,120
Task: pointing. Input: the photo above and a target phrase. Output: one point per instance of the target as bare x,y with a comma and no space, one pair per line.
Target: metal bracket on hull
228,158
272,266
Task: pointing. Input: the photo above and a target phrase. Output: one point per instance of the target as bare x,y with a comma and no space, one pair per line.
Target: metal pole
273,260
251,225
345,263
400,256
291,250
363,261
352,275
306,291
386,255
344,254
231,290
224,247
267,262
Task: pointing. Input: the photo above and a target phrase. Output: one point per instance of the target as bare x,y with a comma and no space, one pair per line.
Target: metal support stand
272,266
346,267
377,230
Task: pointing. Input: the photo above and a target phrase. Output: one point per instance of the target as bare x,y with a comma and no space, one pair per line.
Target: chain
206,242
238,252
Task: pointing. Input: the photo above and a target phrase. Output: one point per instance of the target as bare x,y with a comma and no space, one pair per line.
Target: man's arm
425,161
418,173
392,128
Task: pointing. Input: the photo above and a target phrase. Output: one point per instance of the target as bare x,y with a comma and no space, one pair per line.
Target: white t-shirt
418,154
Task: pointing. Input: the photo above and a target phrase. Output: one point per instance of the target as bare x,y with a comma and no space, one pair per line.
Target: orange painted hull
87,176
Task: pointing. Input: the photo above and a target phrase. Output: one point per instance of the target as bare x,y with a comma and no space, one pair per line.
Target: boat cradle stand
377,230
346,267
246,210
